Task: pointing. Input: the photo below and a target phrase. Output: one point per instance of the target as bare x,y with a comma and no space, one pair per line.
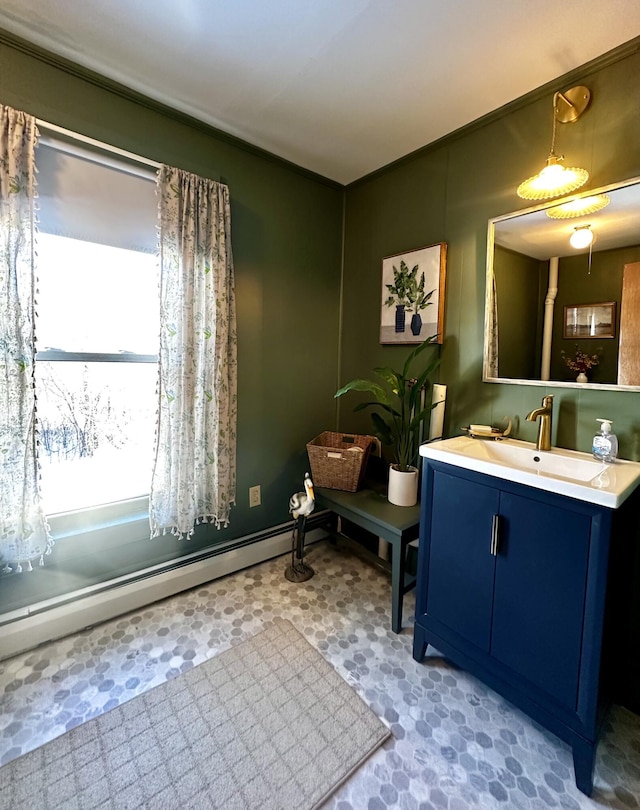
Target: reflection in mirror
555,311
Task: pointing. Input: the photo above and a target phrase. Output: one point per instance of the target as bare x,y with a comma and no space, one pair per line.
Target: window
96,330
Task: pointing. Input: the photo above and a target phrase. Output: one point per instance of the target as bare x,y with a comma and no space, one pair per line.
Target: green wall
579,284
518,295
521,285
448,192
396,210
287,244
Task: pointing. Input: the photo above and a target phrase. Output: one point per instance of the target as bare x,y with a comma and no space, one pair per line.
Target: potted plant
581,362
397,422
407,292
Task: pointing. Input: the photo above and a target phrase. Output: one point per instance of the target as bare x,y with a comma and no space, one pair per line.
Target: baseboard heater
26,628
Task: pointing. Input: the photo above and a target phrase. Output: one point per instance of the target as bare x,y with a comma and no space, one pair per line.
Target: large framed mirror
556,309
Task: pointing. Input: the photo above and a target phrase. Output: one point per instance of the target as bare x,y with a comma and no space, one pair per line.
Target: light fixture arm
554,130
554,179
577,100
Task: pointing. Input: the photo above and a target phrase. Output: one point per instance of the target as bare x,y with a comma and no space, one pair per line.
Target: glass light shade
579,207
581,237
553,181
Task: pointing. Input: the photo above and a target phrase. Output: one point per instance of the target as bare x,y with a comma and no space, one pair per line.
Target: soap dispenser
605,443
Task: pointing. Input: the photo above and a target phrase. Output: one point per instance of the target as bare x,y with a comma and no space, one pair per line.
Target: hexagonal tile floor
456,744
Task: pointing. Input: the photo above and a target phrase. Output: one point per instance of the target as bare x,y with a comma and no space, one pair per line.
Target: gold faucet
545,413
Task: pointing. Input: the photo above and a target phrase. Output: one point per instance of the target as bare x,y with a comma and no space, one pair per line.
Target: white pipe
547,328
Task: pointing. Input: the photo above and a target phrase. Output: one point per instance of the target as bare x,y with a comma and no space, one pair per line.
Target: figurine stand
298,570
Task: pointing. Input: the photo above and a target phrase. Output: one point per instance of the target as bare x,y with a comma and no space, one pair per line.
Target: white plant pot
403,486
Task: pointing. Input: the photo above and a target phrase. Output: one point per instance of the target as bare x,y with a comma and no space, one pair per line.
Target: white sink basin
565,472
556,462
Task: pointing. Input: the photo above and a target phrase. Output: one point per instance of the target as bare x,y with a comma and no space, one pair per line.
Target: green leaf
390,377
433,365
397,414
415,422
415,353
364,385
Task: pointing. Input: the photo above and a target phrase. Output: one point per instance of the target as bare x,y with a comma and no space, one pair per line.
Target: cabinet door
540,586
461,567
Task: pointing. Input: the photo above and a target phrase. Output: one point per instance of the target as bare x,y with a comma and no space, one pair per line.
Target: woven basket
339,460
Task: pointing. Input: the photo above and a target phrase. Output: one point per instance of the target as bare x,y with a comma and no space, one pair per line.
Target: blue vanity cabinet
511,586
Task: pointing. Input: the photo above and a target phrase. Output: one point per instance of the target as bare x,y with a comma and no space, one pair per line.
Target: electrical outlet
254,496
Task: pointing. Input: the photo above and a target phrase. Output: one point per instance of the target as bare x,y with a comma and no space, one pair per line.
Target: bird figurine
302,504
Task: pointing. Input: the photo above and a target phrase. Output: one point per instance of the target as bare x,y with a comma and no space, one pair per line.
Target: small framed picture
590,320
413,295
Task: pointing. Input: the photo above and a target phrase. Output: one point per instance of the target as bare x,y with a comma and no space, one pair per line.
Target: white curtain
492,327
194,476
24,534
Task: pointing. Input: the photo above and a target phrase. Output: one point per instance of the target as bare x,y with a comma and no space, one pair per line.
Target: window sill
95,518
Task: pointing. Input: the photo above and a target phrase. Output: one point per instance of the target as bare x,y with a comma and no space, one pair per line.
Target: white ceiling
341,87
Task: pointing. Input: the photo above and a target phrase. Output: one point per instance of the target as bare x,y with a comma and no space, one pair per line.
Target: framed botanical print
413,295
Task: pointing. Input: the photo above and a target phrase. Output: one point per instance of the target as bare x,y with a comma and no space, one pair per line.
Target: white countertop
565,472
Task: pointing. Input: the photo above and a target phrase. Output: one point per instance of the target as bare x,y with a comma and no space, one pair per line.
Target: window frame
111,514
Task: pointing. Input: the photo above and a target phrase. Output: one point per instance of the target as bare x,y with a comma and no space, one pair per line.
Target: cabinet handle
495,529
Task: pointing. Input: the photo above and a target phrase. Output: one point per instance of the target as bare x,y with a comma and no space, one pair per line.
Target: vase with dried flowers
581,362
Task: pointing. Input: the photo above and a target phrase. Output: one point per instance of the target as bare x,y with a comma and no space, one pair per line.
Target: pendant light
554,180
579,207
581,237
